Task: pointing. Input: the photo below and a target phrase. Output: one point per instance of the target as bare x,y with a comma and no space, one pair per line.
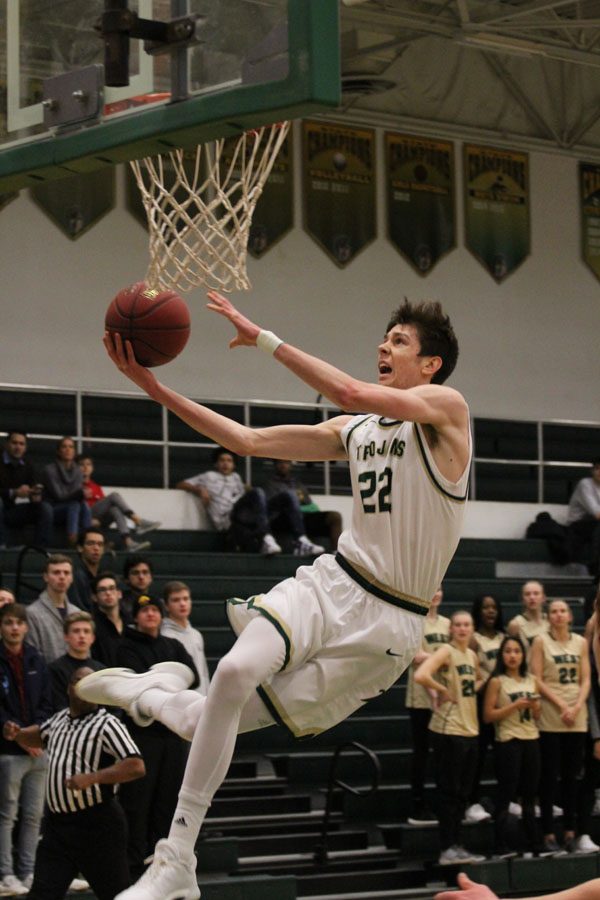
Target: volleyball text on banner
589,192
497,217
420,198
274,213
339,188
79,201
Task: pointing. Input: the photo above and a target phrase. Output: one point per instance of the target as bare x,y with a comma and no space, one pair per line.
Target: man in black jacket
79,637
21,492
149,803
111,618
24,699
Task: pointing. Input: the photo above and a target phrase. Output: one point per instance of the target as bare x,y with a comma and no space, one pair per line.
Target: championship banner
420,198
589,188
497,208
274,213
76,203
339,188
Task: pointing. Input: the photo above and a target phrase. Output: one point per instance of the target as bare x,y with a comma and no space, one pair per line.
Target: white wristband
267,341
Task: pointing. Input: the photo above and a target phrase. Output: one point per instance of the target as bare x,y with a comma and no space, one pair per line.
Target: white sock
180,712
257,654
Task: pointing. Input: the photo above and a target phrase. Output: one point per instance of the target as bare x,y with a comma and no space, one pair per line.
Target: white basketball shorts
344,646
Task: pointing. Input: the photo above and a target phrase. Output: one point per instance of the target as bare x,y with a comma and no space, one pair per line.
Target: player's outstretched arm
470,890
305,442
431,404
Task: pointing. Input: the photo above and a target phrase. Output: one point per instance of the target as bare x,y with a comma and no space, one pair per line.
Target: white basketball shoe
168,877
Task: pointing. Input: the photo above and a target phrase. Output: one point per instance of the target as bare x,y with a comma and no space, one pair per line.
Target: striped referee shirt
82,744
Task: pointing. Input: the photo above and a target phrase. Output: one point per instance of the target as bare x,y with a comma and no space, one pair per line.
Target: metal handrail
321,409
321,856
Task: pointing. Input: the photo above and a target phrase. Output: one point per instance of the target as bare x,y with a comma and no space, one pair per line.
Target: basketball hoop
199,205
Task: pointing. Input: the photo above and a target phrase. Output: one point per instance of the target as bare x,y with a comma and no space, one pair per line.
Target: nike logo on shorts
390,652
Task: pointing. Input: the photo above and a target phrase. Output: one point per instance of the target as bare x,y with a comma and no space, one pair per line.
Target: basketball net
199,205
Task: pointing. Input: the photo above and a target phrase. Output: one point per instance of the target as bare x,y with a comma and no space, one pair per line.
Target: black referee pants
93,842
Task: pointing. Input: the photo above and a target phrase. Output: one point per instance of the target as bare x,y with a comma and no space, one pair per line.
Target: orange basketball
156,322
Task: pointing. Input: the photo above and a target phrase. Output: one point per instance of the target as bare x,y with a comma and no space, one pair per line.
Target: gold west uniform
520,723
487,652
437,633
562,674
529,630
459,677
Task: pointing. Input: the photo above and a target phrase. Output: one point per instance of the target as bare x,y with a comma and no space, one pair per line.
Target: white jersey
406,517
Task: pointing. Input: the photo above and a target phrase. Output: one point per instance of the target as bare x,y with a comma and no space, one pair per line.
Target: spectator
24,699
110,617
64,486
532,621
6,597
84,829
90,550
291,509
149,804
487,637
455,727
138,574
21,492
512,707
231,508
583,519
419,703
47,614
79,637
560,662
176,624
112,508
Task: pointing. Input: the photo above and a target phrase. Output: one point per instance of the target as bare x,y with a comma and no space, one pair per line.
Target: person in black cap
149,803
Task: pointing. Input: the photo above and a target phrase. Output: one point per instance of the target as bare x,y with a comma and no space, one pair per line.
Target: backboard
253,62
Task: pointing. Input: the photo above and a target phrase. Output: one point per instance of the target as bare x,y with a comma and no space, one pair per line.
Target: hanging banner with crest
420,198
589,194
339,188
274,213
497,216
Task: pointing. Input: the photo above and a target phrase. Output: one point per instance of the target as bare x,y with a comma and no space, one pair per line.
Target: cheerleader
532,621
419,705
488,635
512,705
560,662
454,730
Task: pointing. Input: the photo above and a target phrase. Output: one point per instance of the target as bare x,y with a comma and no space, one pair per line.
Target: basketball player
470,890
314,648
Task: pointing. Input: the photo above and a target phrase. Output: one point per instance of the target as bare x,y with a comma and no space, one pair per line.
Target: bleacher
264,826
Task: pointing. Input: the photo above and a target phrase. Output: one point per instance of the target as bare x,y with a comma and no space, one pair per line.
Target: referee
84,829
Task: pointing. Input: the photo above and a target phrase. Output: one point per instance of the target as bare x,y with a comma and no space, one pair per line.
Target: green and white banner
420,198
497,208
589,193
339,188
274,213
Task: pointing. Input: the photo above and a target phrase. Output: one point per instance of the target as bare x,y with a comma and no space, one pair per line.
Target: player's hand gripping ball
156,322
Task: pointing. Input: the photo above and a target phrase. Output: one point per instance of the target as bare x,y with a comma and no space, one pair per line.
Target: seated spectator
112,508
110,617
6,597
25,698
90,551
63,482
84,829
583,519
290,506
21,492
176,624
149,804
79,637
138,573
47,614
232,508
